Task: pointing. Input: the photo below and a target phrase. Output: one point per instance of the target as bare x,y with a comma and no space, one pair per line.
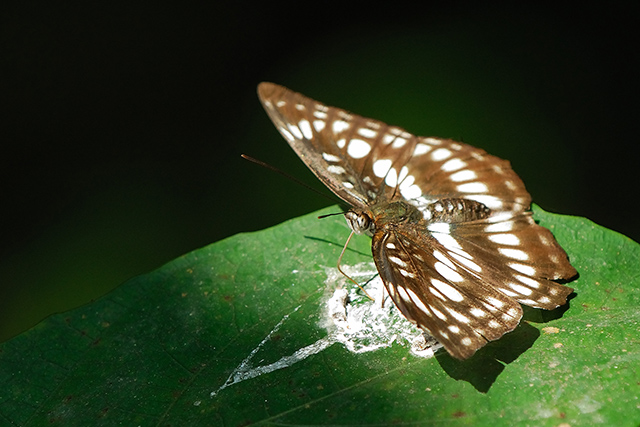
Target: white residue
351,318
363,325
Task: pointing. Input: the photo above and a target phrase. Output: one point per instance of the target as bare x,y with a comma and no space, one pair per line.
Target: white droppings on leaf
362,325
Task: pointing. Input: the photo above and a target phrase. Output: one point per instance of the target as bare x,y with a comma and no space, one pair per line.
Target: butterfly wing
364,160
461,310
459,276
519,257
450,169
463,282
320,135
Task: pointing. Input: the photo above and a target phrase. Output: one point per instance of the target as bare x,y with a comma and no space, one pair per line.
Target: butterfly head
360,221
367,221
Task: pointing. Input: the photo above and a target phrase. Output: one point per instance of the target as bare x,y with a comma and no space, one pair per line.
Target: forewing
323,137
362,160
442,168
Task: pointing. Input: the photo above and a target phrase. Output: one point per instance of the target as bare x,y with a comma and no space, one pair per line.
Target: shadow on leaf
483,368
340,245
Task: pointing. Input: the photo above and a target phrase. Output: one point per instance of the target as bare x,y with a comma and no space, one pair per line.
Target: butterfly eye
359,222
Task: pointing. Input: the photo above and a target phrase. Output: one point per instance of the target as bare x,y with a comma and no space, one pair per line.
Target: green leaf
235,334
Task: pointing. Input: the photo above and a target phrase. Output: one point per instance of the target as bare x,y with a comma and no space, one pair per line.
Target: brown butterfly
453,237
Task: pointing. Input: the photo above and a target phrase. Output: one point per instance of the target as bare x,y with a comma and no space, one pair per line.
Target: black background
122,124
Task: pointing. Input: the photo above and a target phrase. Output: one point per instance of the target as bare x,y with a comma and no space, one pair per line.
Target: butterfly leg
345,274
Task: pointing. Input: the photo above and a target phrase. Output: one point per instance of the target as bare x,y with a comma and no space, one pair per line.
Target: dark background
121,125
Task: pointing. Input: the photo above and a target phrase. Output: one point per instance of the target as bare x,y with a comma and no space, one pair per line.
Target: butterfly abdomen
456,210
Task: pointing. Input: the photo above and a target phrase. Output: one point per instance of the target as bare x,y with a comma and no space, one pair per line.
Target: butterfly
453,237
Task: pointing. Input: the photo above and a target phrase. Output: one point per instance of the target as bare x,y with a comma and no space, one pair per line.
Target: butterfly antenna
340,261
286,175
331,214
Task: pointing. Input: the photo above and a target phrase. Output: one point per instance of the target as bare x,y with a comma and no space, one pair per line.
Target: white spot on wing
505,239
285,132
529,281
399,142
514,253
465,175
406,273
404,295
440,154
453,165
447,273
305,127
439,227
319,125
392,178
358,148
335,169
459,317
476,312
330,157
508,293
411,192
473,187
447,290
388,139
491,202
500,227
295,131
524,269
466,262
397,261
418,302
520,289
339,126
436,293
407,180
494,302
367,133
443,259
438,314
403,173
381,167
421,149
